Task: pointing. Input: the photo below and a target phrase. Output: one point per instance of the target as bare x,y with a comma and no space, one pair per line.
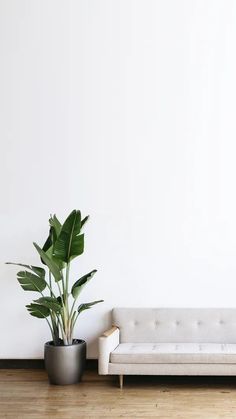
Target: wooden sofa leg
121,380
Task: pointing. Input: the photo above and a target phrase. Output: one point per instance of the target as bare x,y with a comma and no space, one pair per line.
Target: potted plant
64,355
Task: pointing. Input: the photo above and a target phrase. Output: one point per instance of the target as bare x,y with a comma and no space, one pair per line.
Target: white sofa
169,341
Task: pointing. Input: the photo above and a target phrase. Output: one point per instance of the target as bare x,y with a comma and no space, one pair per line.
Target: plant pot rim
77,342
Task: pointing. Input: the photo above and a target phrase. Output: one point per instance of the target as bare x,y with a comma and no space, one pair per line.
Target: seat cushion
174,353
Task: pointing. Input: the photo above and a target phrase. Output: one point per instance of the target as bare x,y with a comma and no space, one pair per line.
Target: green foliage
54,231
50,302
80,284
48,247
55,225
31,282
70,243
64,243
84,221
38,310
38,271
51,264
86,306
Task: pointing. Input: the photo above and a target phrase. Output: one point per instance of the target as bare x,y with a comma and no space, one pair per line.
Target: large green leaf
86,306
84,221
31,282
79,285
49,302
53,267
48,243
54,231
48,248
70,243
55,224
37,270
38,310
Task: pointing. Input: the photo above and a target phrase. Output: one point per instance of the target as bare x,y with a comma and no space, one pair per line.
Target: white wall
126,110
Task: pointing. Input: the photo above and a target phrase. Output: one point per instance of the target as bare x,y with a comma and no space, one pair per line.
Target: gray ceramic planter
65,364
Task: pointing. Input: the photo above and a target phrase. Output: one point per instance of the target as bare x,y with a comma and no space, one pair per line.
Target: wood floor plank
27,394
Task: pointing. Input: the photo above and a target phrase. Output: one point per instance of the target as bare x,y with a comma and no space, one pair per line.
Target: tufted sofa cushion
171,353
175,325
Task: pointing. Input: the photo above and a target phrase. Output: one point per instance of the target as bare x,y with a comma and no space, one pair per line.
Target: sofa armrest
106,344
110,331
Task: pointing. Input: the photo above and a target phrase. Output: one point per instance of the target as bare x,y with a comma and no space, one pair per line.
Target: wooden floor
27,394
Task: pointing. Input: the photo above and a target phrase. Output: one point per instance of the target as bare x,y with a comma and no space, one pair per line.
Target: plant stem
72,308
66,312
50,282
51,327
72,325
74,319
53,336
59,289
71,319
67,278
54,319
50,289
63,284
62,331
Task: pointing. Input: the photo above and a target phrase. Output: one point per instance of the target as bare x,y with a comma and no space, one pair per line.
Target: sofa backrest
210,325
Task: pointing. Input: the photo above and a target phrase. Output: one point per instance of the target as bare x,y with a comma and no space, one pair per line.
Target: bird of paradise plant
64,243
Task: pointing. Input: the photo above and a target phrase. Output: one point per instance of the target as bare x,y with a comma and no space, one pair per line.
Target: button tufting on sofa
205,344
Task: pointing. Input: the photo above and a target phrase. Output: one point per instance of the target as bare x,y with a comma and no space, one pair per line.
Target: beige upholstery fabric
172,369
172,341
172,353
215,325
106,344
